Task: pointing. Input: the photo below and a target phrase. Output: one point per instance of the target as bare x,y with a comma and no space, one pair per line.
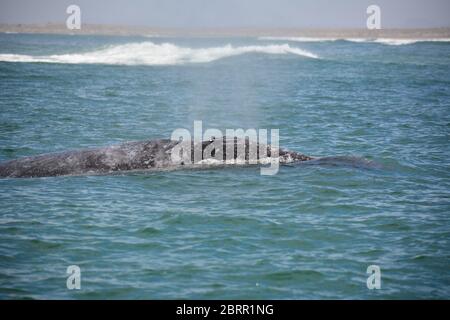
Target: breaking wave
298,39
149,53
398,42
386,41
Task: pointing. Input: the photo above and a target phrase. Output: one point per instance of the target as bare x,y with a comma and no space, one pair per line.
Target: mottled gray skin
140,155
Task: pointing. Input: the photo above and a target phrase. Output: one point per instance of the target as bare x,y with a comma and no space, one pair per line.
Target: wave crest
149,53
386,41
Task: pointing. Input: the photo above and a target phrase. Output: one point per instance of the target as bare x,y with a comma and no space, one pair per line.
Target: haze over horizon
232,13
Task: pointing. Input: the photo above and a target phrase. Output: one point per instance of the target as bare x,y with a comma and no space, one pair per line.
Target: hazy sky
232,13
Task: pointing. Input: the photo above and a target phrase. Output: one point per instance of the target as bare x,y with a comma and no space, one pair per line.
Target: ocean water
309,232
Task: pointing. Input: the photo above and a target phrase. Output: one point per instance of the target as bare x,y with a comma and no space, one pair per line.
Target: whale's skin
128,156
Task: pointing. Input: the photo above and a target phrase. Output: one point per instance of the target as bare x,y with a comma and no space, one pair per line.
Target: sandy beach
95,29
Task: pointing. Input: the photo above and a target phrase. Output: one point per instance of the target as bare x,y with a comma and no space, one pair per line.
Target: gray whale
139,155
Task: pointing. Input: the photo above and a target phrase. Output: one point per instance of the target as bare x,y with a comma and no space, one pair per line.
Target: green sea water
308,232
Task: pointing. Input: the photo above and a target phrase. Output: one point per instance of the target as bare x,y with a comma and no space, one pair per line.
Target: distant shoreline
92,29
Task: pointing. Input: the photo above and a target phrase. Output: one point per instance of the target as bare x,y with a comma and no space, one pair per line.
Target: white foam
298,39
386,41
149,53
211,162
240,162
391,42
399,42
358,40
